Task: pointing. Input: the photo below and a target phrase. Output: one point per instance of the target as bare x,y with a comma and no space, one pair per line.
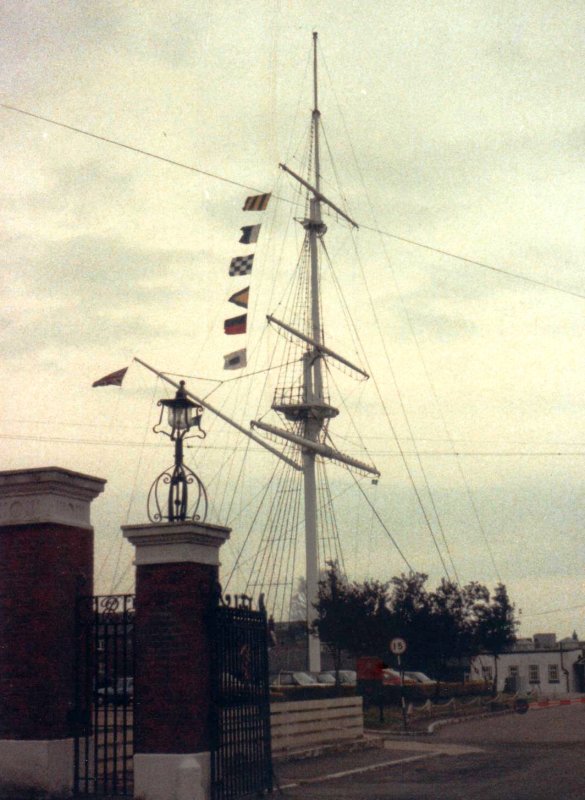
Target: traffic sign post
398,648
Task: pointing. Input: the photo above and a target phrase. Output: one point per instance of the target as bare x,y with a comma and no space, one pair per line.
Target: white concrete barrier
306,724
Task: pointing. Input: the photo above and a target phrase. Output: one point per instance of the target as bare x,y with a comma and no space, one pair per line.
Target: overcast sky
457,125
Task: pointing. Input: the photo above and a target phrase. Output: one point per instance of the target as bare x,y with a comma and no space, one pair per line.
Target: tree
411,617
497,626
451,622
453,628
351,618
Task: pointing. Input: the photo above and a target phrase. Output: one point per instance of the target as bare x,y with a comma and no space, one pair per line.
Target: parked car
419,677
347,677
286,678
121,694
393,678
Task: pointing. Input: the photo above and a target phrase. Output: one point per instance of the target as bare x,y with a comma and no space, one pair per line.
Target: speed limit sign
398,646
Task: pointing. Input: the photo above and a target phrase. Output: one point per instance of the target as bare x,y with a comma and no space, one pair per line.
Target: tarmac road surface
536,756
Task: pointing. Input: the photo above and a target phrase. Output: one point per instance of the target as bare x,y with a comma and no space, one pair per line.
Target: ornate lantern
183,416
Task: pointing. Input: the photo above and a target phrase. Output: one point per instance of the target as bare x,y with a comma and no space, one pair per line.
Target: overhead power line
553,611
215,176
388,453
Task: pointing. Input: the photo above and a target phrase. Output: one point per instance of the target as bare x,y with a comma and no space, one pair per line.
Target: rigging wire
116,583
338,555
349,415
289,506
247,187
250,528
408,425
263,562
396,386
344,305
445,426
406,418
381,521
430,493
215,176
475,263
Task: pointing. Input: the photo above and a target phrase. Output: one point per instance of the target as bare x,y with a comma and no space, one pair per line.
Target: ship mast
313,390
311,410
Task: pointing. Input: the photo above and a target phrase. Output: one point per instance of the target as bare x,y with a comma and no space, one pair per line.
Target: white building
540,665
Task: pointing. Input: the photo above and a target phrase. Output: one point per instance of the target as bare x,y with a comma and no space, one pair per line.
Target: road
532,757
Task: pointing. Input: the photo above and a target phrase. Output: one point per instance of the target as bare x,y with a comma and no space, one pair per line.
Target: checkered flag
241,265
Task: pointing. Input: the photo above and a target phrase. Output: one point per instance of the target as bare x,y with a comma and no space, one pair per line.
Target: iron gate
104,695
241,758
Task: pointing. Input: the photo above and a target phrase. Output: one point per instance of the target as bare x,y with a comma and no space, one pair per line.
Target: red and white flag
113,379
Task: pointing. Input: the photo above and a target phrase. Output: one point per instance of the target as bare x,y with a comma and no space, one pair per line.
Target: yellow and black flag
240,298
257,202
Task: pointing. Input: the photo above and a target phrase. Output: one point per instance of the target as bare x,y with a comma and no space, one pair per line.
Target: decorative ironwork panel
104,696
241,757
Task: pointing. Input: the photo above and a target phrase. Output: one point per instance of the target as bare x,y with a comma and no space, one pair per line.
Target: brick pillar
176,568
46,559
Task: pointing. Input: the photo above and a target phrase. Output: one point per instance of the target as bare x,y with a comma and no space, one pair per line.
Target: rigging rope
215,176
380,520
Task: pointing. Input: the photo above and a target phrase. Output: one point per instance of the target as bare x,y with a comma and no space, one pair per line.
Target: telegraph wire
553,611
388,453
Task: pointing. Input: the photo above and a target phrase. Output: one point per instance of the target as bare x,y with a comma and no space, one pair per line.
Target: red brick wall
42,568
172,658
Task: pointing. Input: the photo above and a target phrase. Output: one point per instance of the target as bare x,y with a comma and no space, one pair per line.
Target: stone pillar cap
176,542
47,495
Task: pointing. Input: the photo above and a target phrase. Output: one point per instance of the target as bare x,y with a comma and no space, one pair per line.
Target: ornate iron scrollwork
169,497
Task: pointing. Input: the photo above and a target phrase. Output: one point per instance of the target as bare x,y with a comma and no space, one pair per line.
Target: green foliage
449,623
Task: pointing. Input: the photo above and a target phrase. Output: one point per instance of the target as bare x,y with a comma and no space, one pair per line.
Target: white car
347,677
293,679
419,677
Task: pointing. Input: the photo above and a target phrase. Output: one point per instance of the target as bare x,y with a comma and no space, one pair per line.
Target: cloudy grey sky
454,124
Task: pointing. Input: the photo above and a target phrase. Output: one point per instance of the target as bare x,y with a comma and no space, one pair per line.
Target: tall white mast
313,390
312,409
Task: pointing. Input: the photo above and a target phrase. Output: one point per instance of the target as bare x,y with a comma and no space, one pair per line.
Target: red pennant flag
113,379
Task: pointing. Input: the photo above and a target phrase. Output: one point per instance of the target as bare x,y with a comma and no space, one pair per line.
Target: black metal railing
104,714
241,758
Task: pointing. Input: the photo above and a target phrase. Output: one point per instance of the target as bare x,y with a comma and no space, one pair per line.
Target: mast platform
292,402
301,412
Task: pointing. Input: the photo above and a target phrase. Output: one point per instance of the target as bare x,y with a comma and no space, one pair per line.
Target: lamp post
183,416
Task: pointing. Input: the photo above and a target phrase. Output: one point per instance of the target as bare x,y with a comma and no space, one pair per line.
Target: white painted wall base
44,764
169,776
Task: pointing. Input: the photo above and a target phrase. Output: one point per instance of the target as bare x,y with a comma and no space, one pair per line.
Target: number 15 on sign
398,646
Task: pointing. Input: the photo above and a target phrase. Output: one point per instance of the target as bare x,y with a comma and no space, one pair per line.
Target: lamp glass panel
180,418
